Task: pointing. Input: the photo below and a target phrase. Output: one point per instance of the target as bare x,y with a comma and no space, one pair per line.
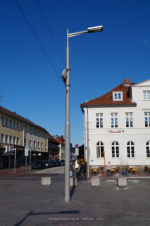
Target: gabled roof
51,139
20,118
60,140
107,99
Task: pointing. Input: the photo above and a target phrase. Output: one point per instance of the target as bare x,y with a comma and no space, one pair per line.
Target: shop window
130,149
115,149
100,149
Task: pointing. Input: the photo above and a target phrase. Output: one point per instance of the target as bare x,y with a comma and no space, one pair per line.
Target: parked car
39,165
58,162
62,162
53,163
48,163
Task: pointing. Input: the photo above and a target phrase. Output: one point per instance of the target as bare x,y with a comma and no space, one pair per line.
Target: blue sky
99,62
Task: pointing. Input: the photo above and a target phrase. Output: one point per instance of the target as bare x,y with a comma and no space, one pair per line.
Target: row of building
118,124
21,133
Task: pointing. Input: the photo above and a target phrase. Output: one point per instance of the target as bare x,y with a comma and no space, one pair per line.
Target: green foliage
123,165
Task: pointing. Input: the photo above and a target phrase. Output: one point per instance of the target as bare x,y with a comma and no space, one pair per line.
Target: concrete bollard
45,180
122,182
73,181
95,181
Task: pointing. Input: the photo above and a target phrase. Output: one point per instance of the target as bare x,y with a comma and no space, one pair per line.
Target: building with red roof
118,123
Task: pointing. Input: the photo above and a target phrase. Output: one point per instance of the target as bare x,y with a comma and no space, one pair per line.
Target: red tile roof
107,99
60,140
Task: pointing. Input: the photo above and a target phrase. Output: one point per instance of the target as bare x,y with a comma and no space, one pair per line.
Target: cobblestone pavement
23,201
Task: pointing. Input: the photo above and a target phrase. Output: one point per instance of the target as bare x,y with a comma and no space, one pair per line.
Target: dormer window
118,96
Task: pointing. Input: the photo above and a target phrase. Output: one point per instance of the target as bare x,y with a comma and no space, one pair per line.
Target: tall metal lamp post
66,79
88,174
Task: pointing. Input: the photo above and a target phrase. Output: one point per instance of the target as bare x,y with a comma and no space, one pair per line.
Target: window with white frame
7,122
115,149
35,144
100,150
147,119
118,96
10,139
45,146
129,119
130,149
14,140
148,149
146,94
18,126
11,124
18,141
6,139
2,138
3,121
99,120
38,144
114,120
41,145
15,125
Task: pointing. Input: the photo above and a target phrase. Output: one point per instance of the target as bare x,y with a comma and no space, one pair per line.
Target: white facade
122,142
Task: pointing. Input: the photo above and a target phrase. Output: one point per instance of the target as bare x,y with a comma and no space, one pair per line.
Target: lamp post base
67,198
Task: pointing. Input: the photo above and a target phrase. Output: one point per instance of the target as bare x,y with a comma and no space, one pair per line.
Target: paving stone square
25,202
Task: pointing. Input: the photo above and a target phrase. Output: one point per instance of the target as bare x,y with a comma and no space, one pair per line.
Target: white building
119,124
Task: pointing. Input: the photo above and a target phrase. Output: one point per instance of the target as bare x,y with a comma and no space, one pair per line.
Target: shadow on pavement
31,213
72,191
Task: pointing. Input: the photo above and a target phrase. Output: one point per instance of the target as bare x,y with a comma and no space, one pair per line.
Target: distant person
78,171
71,169
109,169
83,169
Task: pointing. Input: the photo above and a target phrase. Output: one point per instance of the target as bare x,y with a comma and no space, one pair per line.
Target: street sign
76,145
76,151
26,152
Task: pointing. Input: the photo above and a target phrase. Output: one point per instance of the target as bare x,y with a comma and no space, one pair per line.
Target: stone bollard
45,180
95,181
73,181
122,182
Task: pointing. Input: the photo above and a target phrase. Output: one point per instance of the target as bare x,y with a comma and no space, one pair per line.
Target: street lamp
88,175
66,79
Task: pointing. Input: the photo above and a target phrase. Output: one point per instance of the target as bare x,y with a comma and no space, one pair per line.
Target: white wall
139,134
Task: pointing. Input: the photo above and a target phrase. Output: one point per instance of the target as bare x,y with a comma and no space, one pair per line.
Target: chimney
126,81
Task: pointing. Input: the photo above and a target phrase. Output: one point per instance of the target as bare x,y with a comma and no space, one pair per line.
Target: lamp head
95,29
